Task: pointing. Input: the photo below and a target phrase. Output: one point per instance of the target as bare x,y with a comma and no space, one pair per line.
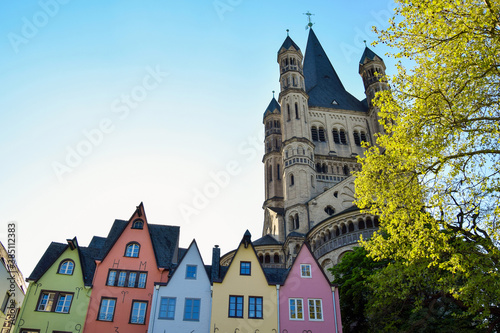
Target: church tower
297,152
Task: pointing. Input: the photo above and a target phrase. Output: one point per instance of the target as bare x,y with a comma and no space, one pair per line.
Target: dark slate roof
296,234
87,255
276,275
97,242
182,253
208,269
165,239
287,44
53,252
266,240
272,107
368,54
222,273
322,82
114,233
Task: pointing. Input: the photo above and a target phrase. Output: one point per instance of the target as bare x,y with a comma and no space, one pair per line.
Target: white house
183,304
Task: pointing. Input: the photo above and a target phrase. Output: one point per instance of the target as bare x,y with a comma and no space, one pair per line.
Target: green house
59,289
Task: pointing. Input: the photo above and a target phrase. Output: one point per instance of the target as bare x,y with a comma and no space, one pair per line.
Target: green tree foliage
434,175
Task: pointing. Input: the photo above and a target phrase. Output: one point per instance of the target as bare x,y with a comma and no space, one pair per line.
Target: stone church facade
313,135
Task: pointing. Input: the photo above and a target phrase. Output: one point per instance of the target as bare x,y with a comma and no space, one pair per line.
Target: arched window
66,267
351,226
297,224
361,224
343,138
344,229
328,235
336,137
137,224
288,111
276,258
357,140
270,173
132,250
278,173
296,111
296,249
318,167
324,168
292,180
369,223
267,259
292,222
329,210
363,137
337,232
321,132
346,170
261,258
376,222
314,133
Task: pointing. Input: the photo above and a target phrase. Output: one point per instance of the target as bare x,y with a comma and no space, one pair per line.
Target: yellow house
244,299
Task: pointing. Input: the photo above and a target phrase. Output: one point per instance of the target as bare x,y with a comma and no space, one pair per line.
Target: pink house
308,301
131,259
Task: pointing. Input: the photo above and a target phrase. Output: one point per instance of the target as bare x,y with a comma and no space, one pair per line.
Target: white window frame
302,267
295,301
315,313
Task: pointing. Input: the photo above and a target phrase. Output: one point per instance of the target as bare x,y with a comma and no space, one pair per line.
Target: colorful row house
250,298
137,279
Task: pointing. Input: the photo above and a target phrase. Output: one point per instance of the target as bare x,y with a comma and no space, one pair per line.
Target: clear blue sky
105,104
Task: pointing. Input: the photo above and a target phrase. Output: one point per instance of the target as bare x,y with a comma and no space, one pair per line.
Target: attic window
66,267
334,102
138,224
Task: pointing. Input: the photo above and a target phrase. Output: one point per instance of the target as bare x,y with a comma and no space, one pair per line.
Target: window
305,270
5,301
142,280
321,134
314,133
29,331
61,300
288,110
296,309
107,309
296,222
66,267
296,109
167,308
363,137
278,176
236,306
255,307
292,180
121,279
315,309
329,210
192,309
191,272
131,279
132,250
357,141
138,313
343,138
245,268
126,279
336,137
137,224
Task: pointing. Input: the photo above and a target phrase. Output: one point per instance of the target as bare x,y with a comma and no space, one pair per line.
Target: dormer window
305,270
138,224
132,250
66,267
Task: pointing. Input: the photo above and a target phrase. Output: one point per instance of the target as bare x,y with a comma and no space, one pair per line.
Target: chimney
215,263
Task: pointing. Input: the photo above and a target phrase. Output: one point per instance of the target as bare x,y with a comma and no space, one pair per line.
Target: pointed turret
288,44
272,108
323,85
372,70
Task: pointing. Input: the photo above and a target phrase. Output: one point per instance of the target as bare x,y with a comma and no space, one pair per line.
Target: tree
434,175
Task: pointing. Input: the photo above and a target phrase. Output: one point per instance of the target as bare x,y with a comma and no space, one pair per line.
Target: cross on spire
310,24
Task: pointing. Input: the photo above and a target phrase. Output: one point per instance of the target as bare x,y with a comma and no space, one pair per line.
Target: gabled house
308,301
183,303
133,257
59,290
244,298
12,287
